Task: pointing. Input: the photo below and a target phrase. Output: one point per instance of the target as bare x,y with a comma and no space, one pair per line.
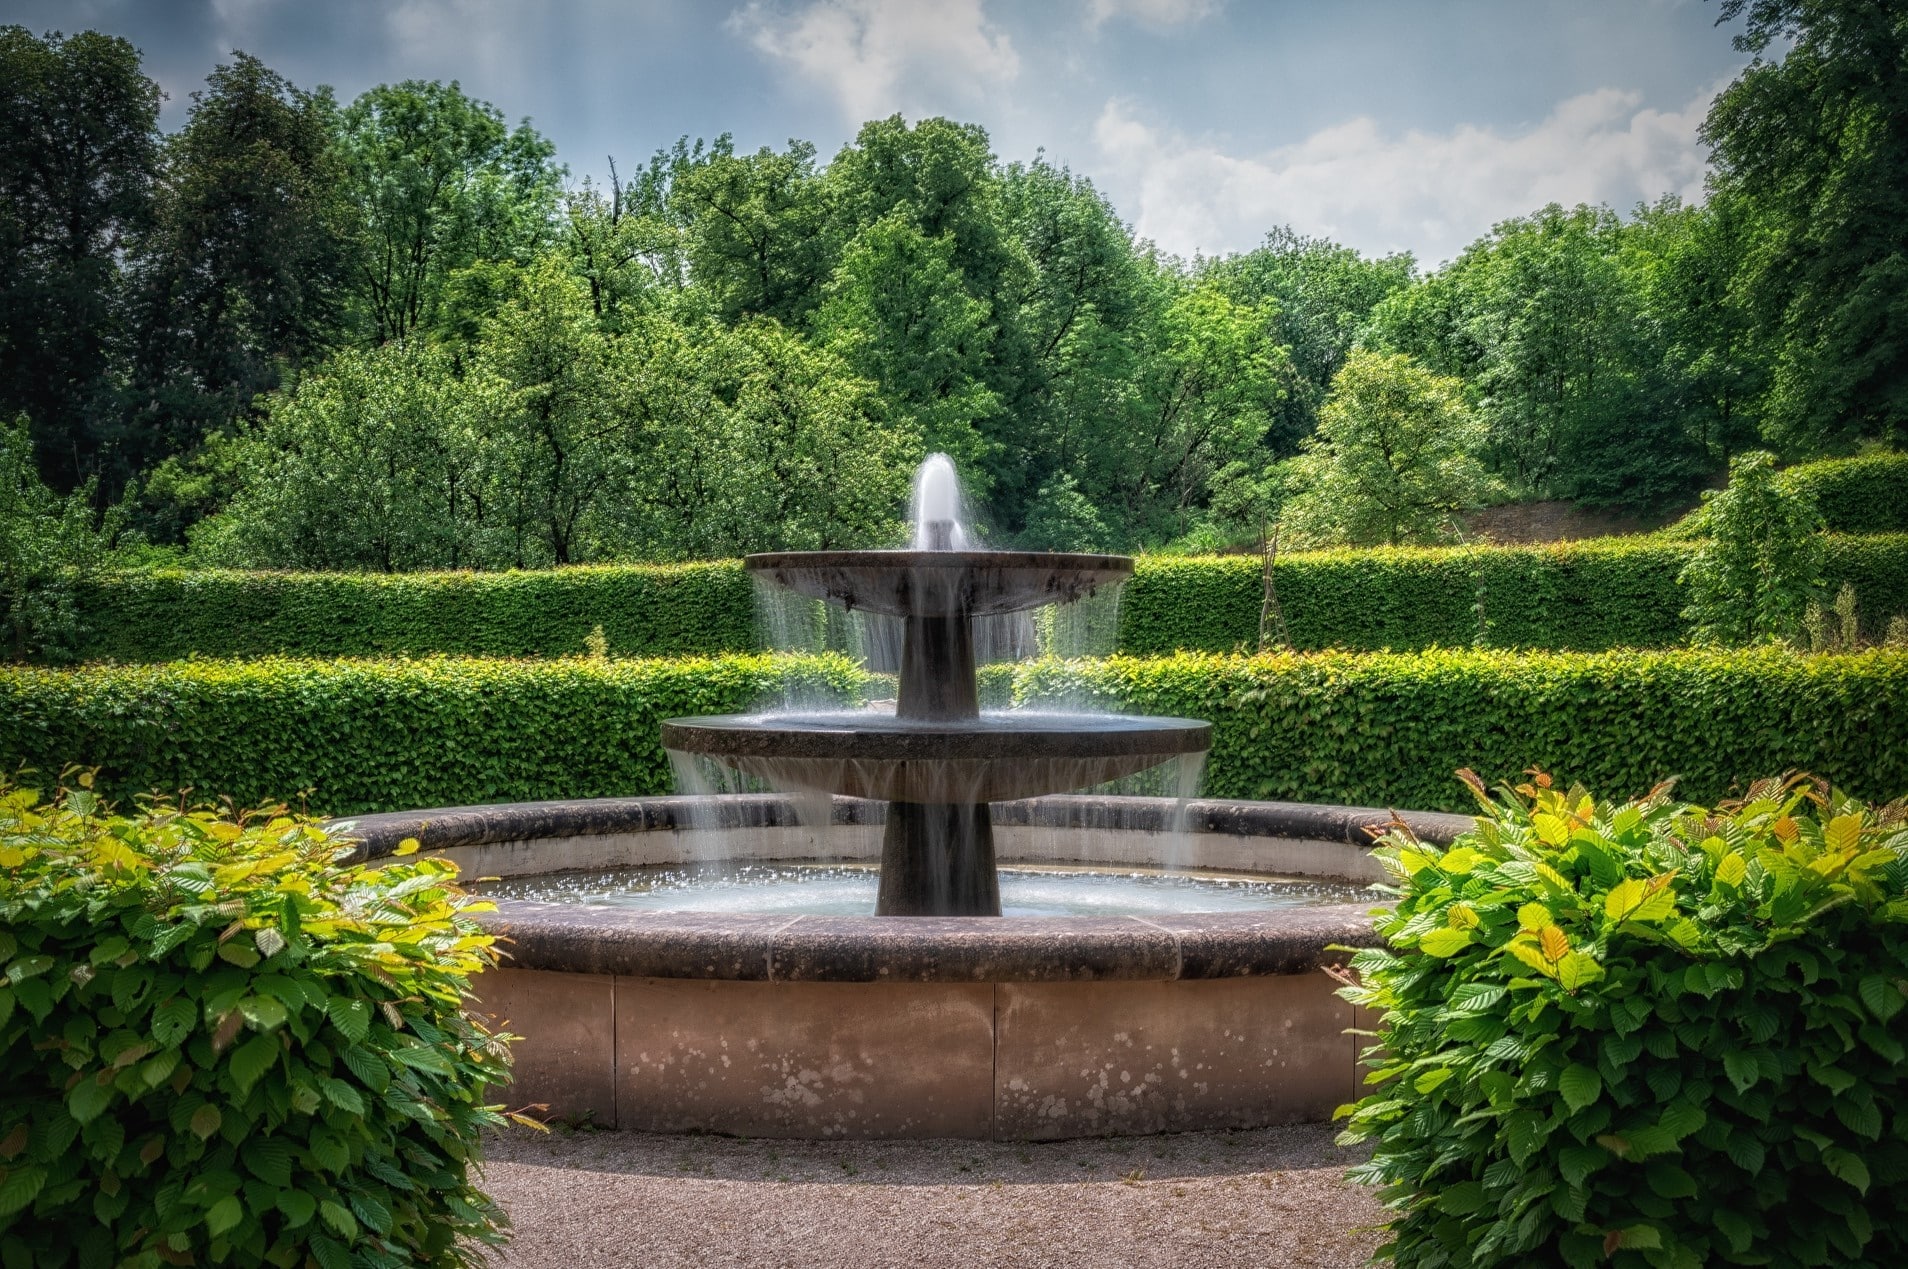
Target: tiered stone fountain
934,1016
938,761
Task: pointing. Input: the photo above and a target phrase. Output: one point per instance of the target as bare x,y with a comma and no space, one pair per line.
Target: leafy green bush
1379,729
1571,596
1868,494
1647,1034
1752,579
220,1047
645,610
386,735
49,548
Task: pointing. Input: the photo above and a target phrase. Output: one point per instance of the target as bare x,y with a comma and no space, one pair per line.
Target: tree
243,273
78,150
1546,325
1815,144
555,454
1063,357
1394,459
1207,379
1687,264
373,462
49,545
898,314
439,184
1321,296
757,230
1752,579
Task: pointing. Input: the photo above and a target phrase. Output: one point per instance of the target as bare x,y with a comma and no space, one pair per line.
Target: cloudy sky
1386,124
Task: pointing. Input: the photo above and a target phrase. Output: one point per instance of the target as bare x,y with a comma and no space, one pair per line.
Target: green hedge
384,735
1868,494
1643,1035
1382,729
217,1046
645,610
1581,596
1369,729
1575,596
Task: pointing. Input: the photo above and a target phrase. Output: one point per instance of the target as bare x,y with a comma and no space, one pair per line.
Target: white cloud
1151,12
1428,193
881,56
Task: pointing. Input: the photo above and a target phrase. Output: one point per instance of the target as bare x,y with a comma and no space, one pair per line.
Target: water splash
935,512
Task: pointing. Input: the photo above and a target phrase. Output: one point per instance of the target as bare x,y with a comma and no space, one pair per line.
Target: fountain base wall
1017,1061
983,1027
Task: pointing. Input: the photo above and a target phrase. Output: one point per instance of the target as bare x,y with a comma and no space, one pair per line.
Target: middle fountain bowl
938,761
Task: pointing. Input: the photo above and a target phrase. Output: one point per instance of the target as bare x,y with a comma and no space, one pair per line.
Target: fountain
648,1000
938,761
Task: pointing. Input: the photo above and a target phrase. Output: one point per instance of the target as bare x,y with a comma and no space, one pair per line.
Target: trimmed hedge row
1582,596
1868,494
645,610
1373,729
1389,729
1571,597
384,735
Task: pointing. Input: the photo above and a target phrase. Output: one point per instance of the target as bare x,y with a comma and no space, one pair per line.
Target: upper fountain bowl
942,583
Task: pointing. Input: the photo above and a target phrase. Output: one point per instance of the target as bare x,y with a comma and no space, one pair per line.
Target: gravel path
1271,1197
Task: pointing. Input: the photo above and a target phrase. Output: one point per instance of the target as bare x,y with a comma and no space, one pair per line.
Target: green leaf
88,1098
1578,969
224,1215
252,1059
342,1095
21,1187
172,1020
1441,942
263,1013
1846,1166
1576,1163
340,1219
1880,995
270,1159
1623,899
297,1206
205,1121
1640,1237
352,1017
1461,1199
1580,1086
1746,1151
1666,1180
1743,1070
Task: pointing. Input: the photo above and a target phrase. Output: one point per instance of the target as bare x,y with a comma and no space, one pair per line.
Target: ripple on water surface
849,890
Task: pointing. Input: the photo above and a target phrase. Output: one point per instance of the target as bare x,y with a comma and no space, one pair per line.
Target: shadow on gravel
1179,1156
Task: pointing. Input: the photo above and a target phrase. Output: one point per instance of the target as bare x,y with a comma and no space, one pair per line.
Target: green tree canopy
439,183
242,275
1816,143
79,146
1395,457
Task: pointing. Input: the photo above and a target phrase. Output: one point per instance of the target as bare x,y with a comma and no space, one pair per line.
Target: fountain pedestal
938,761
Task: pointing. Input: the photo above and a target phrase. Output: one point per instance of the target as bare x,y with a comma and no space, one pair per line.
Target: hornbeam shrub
218,1046
1644,1033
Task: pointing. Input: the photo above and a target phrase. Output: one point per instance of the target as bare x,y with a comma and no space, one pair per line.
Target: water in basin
801,889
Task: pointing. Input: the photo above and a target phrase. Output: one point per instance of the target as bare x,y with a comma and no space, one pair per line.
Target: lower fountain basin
864,1026
995,757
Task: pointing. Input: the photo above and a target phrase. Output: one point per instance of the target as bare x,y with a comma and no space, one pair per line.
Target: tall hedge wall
1371,729
1381,729
1868,494
645,610
384,735
1583,596
1574,596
